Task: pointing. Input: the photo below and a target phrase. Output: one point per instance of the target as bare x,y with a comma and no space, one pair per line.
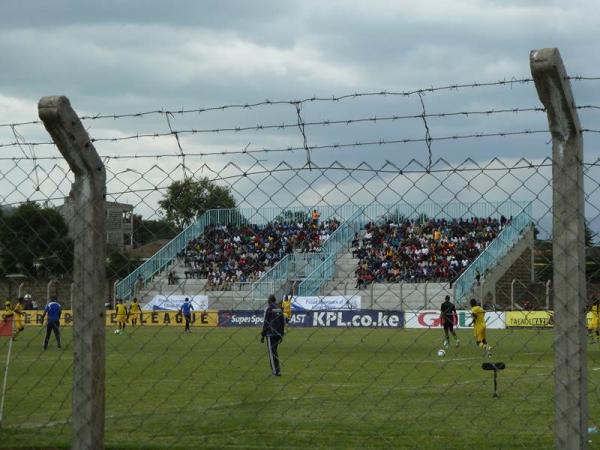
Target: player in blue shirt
53,310
186,311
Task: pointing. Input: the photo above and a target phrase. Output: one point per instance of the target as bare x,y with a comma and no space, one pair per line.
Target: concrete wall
38,290
119,222
520,270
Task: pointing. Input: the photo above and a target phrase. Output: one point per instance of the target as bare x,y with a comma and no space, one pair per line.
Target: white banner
173,302
330,303
431,319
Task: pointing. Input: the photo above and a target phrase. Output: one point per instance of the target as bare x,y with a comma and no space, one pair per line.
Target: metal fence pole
48,287
512,294
87,228
571,406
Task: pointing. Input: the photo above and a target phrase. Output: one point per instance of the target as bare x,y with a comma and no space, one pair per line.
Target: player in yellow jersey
121,310
8,312
286,306
134,312
19,316
478,315
595,324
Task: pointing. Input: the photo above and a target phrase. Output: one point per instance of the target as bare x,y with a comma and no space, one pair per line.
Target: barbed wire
176,135
427,133
260,127
337,146
19,124
582,78
303,124
19,140
333,98
450,87
30,144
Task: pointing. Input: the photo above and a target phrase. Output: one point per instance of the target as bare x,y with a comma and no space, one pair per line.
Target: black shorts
448,325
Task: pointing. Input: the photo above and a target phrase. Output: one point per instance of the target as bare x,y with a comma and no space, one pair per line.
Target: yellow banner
146,318
529,319
168,318
537,319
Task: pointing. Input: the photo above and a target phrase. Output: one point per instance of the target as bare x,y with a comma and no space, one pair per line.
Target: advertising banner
256,318
173,302
431,319
169,318
363,318
146,318
34,318
326,303
537,319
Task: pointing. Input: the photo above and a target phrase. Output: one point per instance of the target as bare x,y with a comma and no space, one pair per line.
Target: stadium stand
225,255
390,256
415,252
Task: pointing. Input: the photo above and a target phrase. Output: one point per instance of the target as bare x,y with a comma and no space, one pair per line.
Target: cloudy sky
119,57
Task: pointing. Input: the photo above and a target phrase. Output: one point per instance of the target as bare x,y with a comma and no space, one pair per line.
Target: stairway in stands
240,297
387,296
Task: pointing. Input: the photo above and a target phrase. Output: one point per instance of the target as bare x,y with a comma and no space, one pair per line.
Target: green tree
589,236
34,240
145,231
119,264
187,199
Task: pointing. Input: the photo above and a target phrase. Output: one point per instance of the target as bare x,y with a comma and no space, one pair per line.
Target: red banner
6,327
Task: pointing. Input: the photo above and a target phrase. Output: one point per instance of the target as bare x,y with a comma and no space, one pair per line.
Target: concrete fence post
568,249
87,229
72,293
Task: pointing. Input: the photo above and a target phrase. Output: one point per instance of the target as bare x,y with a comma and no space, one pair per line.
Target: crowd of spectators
416,252
225,255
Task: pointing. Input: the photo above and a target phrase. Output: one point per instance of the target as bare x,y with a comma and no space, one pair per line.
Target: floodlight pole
568,249
87,228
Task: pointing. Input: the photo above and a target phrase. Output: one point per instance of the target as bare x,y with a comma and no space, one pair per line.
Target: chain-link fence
161,253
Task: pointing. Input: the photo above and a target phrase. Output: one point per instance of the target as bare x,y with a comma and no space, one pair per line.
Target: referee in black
273,328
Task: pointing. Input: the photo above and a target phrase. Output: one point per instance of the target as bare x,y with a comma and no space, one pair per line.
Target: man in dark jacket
449,319
273,329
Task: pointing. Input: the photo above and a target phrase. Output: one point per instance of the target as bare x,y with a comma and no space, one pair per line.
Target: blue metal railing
274,278
448,211
318,277
493,253
238,216
125,288
336,242
292,266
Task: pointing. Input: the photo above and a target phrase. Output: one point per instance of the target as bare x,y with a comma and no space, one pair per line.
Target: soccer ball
441,352
117,331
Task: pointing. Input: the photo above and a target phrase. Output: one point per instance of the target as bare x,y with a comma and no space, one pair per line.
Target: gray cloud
119,56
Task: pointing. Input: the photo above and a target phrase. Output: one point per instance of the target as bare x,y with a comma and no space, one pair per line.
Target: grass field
341,388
